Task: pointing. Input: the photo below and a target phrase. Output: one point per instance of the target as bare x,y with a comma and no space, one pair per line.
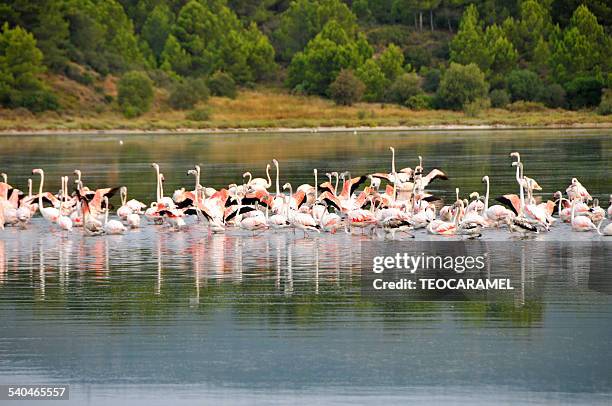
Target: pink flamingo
581,223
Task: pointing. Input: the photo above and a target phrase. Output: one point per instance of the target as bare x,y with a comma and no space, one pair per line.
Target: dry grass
274,108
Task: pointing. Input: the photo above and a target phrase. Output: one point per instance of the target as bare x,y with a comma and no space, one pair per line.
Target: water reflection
197,267
278,312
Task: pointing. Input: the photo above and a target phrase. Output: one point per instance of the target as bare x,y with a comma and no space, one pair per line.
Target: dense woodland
422,54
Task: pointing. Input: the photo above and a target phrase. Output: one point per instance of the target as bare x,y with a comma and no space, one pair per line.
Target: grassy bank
275,108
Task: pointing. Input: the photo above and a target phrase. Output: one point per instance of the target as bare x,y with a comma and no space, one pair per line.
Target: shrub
374,80
188,93
461,84
223,85
499,98
135,94
36,100
431,79
404,87
475,107
347,88
78,74
524,85
553,96
199,115
522,106
420,102
584,92
605,107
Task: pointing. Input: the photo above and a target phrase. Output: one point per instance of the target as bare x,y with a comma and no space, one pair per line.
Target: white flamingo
50,214
112,226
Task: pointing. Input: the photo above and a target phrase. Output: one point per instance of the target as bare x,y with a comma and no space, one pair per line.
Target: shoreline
318,129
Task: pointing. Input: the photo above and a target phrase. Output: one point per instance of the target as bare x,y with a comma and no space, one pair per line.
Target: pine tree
469,46
156,29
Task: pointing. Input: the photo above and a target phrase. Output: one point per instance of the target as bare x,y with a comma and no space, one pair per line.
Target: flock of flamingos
402,206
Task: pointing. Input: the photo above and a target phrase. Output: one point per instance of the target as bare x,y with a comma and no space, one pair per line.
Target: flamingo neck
277,178
268,176
521,194
487,197
336,185
316,185
40,190
161,189
158,179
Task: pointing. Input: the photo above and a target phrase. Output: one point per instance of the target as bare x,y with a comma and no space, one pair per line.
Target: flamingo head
392,149
475,195
37,171
574,181
516,155
485,178
557,194
192,172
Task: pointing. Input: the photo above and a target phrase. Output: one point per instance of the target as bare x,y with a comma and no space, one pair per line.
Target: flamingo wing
513,202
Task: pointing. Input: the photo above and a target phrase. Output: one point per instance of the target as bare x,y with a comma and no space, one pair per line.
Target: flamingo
124,211
330,222
581,223
596,213
50,214
129,212
161,200
607,230
91,224
496,214
253,222
277,221
576,191
475,205
610,208
259,183
524,180
27,207
439,227
112,226
64,221
303,221
530,212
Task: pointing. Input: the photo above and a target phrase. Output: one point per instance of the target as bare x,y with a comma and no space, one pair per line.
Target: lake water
162,317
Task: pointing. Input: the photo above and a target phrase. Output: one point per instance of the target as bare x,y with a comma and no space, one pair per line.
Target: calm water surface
159,317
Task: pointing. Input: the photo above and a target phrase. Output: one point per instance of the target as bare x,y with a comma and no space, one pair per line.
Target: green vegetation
135,94
347,89
187,93
80,57
222,84
461,84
